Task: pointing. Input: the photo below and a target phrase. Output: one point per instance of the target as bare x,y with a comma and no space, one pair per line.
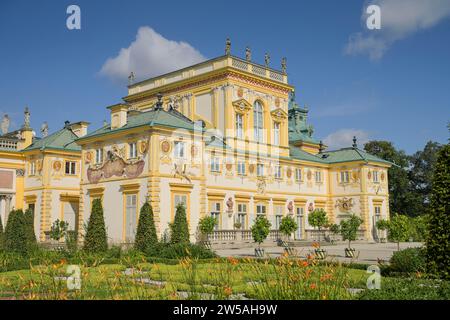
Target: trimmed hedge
410,260
95,240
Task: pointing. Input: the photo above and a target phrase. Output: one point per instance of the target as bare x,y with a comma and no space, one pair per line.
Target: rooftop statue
5,124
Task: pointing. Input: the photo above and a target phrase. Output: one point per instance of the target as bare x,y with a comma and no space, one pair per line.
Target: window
345,176
258,121
215,164
375,177
241,168
215,213
299,220
70,214
177,200
298,174
132,150
239,126
71,167
260,209
242,214
318,175
260,170
276,133
277,172
99,156
278,216
377,211
130,217
179,149
32,168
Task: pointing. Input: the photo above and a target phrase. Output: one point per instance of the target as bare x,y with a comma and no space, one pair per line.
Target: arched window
258,124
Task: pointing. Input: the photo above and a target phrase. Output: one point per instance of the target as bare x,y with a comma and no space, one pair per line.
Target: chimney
80,128
118,115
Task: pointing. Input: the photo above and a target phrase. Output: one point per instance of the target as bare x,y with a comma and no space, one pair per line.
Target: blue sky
401,94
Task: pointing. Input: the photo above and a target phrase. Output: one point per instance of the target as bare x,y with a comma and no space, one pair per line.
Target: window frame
72,168
260,167
345,176
318,173
241,170
258,121
239,123
276,133
179,150
214,165
132,150
298,174
99,154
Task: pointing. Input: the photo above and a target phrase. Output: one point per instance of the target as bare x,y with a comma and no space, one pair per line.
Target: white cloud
344,138
399,19
150,55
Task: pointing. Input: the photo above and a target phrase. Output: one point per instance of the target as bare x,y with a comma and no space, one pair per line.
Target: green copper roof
298,128
350,154
158,117
63,139
298,154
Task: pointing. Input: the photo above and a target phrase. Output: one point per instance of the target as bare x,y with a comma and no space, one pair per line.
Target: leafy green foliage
382,224
2,234
146,236
58,229
349,228
410,260
318,218
181,250
260,229
95,240
179,228
438,235
29,228
335,228
398,229
288,226
417,227
206,225
16,236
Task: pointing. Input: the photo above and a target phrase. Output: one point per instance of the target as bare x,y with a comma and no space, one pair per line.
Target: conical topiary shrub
95,240
15,238
179,228
146,238
29,227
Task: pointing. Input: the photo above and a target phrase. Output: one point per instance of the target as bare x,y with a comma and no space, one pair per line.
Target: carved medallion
230,204
369,175
165,146
39,165
277,102
143,145
251,168
229,166
261,186
382,176
290,207
355,175
289,172
344,204
57,166
88,157
240,92
311,207
309,174
194,151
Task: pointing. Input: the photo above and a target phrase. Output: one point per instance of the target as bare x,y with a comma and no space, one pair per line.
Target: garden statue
5,124
228,47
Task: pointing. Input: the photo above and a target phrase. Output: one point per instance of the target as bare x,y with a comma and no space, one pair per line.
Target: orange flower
308,273
313,286
305,263
325,277
316,245
309,257
233,261
228,291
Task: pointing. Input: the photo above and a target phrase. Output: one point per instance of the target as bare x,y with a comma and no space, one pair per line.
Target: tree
438,235
15,233
349,229
59,229
288,226
179,228
398,230
400,198
96,239
420,174
318,219
146,237
29,227
260,229
206,225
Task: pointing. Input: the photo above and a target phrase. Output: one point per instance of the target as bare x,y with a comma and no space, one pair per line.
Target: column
2,211
8,199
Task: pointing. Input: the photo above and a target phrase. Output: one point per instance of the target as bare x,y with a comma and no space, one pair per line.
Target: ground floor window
70,215
180,198
278,216
130,217
299,221
215,213
242,215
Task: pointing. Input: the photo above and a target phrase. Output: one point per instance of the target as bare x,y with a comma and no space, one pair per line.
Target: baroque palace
225,137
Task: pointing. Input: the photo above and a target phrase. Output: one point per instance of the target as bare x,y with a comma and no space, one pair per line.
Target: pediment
279,113
242,105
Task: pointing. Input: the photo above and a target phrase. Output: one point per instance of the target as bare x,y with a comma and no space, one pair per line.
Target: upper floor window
260,209
179,149
239,126
258,123
260,170
276,133
241,168
32,168
71,167
278,172
99,156
345,176
298,174
375,176
132,150
318,176
215,164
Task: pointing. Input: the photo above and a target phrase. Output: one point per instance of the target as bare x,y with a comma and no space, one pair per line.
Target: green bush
180,250
349,228
438,235
398,229
146,231
410,260
179,228
95,240
260,229
1,234
29,228
16,233
417,228
206,225
288,226
408,289
318,219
